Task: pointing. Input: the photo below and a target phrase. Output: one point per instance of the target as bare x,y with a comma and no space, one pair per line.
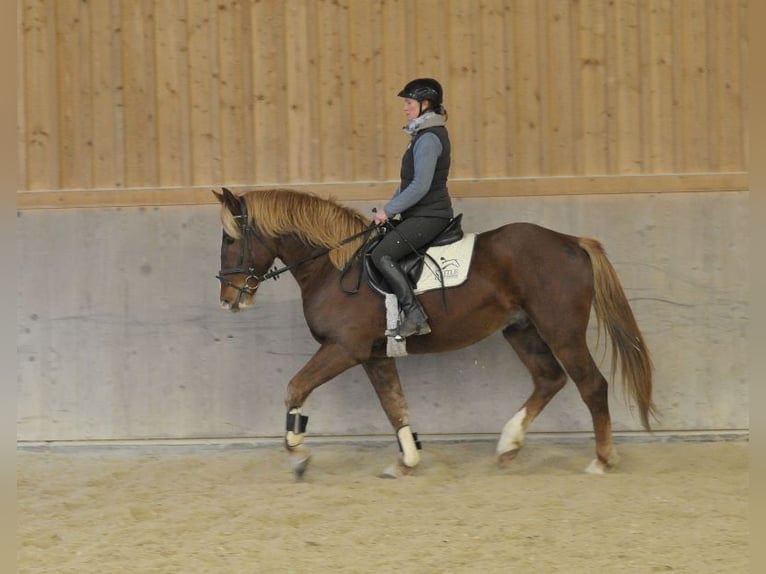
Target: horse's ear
218,196
229,200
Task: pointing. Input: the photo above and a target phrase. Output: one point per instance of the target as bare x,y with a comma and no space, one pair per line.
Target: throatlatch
296,427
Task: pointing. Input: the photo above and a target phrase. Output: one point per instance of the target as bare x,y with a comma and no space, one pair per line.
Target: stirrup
417,329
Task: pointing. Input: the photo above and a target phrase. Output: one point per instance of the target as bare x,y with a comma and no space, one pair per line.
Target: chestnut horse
533,284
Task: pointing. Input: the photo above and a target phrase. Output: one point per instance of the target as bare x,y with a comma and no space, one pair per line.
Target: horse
535,285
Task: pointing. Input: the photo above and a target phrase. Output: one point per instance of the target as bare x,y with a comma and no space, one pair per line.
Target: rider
421,200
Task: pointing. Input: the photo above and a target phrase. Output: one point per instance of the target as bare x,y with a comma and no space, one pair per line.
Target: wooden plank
139,88
529,140
378,191
21,120
299,61
309,87
118,94
170,38
693,93
71,74
366,137
592,66
657,103
233,57
463,89
369,113
557,99
745,29
398,69
429,43
333,97
628,126
204,133
84,94
101,99
726,86
494,86
573,63
611,102
269,73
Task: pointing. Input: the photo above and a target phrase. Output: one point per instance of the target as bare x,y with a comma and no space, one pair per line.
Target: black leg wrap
297,423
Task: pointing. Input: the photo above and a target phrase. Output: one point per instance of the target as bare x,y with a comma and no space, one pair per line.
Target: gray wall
120,335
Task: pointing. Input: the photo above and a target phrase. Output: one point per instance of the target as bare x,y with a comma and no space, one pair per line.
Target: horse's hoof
299,464
396,470
507,456
596,467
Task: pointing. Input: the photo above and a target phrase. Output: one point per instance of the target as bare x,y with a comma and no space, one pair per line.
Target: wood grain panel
528,55
398,69
557,101
494,95
204,148
172,100
332,142
269,91
628,83
658,118
370,191
234,87
139,84
592,114
40,138
693,94
176,94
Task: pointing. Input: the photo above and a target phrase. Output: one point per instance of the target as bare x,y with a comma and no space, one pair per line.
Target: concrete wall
120,335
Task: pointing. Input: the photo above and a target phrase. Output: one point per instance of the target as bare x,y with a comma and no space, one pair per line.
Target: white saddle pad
452,260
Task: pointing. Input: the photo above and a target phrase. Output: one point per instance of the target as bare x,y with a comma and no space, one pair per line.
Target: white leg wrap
294,439
512,437
410,454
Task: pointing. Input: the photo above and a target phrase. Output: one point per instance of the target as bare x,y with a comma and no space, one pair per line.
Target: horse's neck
304,261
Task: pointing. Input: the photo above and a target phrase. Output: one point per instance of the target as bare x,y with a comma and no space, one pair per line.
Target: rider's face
412,108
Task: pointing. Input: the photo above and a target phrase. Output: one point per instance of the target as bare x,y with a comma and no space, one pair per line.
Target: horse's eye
228,240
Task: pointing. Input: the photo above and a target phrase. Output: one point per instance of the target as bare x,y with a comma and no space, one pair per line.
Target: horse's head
245,255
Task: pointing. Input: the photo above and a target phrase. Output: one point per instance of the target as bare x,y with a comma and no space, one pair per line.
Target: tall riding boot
415,321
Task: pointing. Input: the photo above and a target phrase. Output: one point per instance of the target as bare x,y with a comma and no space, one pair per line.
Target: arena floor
668,507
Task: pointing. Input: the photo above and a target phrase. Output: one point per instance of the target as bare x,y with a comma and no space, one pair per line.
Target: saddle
412,264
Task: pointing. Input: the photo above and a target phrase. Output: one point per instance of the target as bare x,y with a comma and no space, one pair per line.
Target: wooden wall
139,102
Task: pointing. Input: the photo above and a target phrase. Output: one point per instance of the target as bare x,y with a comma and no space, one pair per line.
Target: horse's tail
614,315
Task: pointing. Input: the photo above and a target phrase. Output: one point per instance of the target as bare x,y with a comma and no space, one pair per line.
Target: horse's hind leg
548,378
385,380
594,391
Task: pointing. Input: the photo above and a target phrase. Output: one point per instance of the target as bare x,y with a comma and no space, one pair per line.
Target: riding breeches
408,236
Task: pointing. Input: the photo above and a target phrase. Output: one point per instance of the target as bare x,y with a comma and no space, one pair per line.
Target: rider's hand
380,217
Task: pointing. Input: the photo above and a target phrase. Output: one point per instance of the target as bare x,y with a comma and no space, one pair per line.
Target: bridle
252,279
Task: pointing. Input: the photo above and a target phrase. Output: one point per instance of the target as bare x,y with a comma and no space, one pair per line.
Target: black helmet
423,89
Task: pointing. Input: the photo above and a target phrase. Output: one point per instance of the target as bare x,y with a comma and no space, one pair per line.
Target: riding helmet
423,89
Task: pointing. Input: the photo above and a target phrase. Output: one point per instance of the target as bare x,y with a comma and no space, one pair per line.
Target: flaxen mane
315,220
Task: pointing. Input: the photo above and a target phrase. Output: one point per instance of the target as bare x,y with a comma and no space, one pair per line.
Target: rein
251,275
274,273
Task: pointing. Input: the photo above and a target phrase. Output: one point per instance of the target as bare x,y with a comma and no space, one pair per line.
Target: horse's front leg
385,379
328,362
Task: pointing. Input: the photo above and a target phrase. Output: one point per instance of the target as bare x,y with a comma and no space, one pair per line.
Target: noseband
252,279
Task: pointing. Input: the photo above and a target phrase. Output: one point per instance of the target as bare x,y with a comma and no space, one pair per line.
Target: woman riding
421,200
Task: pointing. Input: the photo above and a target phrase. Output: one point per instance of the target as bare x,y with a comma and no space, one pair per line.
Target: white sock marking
512,437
